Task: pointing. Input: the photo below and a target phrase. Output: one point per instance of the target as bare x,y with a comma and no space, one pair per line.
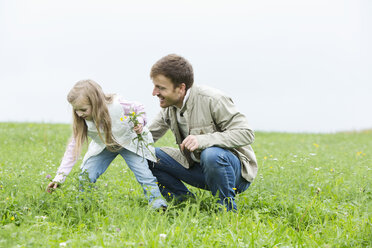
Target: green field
312,190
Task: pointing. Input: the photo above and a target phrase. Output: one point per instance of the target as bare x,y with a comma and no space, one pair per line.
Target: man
213,137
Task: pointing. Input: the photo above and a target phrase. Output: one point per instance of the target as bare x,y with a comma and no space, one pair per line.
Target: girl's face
82,109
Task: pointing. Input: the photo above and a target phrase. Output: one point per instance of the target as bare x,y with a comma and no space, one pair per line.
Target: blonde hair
91,92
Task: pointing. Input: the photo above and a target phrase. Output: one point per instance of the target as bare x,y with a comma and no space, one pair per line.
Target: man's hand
138,129
190,143
52,186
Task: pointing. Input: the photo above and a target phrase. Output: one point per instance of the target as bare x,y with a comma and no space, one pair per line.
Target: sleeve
68,162
233,129
158,127
137,107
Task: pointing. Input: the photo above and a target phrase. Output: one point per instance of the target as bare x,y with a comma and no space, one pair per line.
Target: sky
289,65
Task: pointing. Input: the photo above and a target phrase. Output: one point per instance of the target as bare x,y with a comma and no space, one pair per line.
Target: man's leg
170,173
222,172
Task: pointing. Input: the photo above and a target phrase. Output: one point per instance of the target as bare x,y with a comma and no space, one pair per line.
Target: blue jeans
219,171
97,165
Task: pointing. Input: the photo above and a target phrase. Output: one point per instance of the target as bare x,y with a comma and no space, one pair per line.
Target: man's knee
211,156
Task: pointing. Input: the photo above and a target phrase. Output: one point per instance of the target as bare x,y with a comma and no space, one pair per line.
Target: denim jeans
97,165
219,171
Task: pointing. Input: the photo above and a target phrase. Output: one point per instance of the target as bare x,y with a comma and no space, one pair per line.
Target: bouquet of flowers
141,141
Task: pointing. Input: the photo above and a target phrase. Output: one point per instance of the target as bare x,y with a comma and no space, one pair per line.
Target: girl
100,117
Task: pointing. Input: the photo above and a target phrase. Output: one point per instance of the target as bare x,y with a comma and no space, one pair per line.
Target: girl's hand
138,128
51,186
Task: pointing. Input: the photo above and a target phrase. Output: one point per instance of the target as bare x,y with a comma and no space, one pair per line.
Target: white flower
317,169
312,154
63,244
162,235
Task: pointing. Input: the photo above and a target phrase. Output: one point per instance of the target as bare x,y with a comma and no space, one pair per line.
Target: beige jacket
214,120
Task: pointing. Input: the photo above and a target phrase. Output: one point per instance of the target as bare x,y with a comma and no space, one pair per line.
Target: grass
312,190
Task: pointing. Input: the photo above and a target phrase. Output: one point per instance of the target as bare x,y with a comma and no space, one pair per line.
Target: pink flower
48,176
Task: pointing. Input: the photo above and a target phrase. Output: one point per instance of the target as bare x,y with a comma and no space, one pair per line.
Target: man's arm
233,129
158,127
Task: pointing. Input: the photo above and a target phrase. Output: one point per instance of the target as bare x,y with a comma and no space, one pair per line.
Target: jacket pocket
203,130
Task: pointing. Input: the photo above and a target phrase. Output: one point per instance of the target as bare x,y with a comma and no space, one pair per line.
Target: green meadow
312,190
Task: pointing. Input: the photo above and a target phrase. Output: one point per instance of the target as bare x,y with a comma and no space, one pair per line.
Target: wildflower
162,235
271,156
141,142
63,244
312,154
234,188
41,217
316,145
317,169
1,186
359,153
332,170
118,229
265,157
12,218
169,193
318,190
271,167
48,176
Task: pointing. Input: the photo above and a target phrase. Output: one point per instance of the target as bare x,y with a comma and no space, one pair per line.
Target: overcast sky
289,65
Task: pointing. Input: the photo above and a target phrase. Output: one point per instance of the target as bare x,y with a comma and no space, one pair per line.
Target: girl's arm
68,161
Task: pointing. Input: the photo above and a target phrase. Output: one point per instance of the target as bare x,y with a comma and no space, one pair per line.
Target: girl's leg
144,177
97,165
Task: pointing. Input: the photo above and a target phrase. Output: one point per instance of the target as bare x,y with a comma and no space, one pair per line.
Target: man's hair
176,68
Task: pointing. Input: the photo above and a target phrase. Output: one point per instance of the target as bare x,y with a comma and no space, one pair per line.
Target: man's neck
183,99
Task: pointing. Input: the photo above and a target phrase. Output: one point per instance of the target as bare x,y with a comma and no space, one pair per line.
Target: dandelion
12,218
316,145
271,156
271,167
169,193
265,157
234,188
359,153
332,170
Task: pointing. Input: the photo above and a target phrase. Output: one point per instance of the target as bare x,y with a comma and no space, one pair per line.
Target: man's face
166,92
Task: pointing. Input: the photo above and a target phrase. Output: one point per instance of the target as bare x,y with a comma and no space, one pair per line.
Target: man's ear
183,87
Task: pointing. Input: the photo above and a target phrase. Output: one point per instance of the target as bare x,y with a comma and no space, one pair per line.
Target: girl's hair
91,93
